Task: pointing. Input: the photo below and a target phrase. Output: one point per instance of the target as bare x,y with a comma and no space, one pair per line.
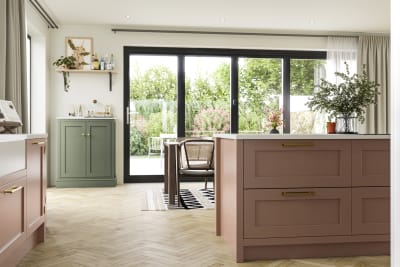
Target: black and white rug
191,199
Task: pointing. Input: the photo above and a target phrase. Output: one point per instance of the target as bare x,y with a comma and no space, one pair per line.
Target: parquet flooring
105,227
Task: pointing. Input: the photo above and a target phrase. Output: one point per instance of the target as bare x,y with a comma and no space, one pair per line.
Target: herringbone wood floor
105,227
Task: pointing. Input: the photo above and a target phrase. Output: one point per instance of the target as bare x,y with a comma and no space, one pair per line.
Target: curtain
374,53
339,51
13,84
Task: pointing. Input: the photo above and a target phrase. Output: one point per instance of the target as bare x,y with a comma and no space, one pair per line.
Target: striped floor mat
191,199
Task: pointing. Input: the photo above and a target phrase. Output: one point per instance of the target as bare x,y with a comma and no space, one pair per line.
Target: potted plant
66,63
347,100
274,119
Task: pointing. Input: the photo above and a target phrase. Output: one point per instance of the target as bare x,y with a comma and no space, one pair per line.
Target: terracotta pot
331,127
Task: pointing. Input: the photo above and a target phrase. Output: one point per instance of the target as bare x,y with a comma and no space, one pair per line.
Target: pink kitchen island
298,196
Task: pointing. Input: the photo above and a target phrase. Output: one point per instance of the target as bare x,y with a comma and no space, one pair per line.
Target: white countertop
84,118
16,137
301,136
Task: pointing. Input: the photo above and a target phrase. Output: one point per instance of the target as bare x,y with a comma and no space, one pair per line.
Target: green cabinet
86,153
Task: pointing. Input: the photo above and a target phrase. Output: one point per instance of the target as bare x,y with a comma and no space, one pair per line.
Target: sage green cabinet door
73,149
100,149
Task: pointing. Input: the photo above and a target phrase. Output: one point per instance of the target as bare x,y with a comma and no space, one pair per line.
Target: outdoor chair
155,146
195,159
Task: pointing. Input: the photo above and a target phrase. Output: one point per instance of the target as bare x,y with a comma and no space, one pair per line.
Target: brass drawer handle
12,190
298,194
297,144
38,143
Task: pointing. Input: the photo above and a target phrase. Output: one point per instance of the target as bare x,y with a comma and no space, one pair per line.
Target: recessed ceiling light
312,22
222,20
127,17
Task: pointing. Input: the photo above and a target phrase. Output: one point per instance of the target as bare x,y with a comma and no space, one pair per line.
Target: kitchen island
297,196
23,183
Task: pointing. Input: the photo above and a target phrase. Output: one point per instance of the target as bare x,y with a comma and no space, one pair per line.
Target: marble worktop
301,136
85,118
16,137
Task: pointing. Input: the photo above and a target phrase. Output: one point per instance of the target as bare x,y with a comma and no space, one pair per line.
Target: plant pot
346,125
331,127
274,131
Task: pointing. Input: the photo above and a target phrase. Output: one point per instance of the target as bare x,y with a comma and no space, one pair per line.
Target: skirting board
315,251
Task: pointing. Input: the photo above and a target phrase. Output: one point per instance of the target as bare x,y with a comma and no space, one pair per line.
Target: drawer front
297,212
371,210
297,163
371,163
12,218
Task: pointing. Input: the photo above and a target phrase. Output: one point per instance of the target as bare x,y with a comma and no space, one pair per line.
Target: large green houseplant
347,99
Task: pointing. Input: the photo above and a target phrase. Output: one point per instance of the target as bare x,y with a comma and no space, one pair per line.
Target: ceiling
235,15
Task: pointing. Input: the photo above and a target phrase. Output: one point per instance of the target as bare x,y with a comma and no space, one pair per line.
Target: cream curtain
339,51
374,53
13,56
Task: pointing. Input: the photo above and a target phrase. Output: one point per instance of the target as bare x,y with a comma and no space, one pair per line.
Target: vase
274,131
346,125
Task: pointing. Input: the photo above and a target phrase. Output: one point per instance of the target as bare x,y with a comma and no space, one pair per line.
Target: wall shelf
110,73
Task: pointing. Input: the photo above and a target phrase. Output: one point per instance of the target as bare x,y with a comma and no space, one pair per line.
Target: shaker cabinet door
36,182
371,163
370,210
72,149
100,149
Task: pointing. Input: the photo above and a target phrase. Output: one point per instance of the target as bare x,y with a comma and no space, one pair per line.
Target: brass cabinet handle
298,194
88,134
38,143
297,144
83,134
12,190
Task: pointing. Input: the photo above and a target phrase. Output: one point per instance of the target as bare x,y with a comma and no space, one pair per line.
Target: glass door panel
305,74
153,81
260,87
207,99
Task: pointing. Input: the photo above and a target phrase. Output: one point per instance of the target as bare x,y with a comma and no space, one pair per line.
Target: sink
12,153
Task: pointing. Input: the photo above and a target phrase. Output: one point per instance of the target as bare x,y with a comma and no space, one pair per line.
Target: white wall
85,87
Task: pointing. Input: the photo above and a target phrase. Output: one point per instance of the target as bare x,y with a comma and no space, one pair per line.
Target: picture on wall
81,48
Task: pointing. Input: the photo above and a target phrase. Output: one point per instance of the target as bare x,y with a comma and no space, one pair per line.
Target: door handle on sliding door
128,116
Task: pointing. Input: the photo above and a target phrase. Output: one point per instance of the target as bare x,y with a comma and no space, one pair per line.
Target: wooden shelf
85,71
110,72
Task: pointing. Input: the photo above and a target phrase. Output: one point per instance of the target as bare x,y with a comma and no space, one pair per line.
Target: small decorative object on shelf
95,62
274,119
346,100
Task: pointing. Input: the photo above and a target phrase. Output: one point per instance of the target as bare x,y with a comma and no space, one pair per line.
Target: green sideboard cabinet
86,152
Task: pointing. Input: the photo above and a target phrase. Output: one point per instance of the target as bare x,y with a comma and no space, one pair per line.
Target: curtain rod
233,33
39,8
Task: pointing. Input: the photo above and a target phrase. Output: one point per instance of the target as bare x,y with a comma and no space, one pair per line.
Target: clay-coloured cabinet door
371,163
36,183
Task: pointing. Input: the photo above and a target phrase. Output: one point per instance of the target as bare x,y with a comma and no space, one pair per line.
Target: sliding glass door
185,92
152,111
207,95
260,87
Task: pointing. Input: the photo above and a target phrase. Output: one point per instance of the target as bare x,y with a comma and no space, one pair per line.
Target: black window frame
234,54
